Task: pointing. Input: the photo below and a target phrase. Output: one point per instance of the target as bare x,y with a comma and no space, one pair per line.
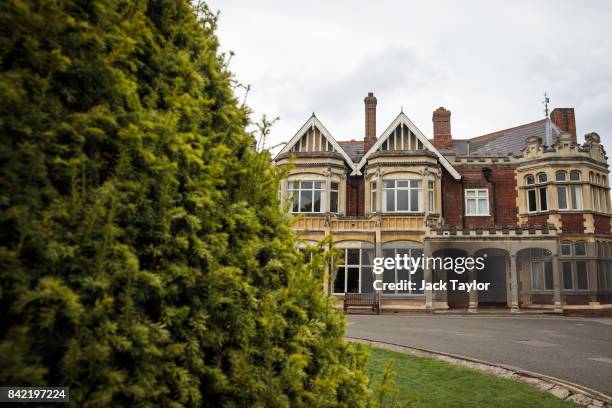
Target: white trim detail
315,122
402,118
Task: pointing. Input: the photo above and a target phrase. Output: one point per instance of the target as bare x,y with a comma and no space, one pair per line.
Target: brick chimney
565,120
442,128
370,120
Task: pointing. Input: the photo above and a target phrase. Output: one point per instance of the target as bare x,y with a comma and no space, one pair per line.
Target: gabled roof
403,119
504,142
315,122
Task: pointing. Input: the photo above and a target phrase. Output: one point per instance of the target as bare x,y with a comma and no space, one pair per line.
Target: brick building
529,200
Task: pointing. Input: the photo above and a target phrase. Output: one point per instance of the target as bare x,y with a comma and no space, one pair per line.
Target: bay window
537,197
569,196
333,197
477,202
431,196
308,196
373,199
402,196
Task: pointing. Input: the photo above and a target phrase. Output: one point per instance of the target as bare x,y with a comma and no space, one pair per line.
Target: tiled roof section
503,142
354,148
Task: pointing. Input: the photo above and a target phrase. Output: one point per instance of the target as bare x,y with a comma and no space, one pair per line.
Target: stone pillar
378,252
284,191
428,276
327,197
379,192
473,294
329,272
593,277
556,265
514,288
425,192
342,195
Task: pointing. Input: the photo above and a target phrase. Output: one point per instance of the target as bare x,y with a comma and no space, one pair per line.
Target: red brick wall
355,195
505,182
505,196
452,204
565,119
572,223
537,219
602,224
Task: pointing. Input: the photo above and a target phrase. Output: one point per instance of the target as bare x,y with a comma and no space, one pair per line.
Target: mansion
530,200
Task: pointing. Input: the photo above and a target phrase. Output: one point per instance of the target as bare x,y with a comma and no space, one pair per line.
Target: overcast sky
488,62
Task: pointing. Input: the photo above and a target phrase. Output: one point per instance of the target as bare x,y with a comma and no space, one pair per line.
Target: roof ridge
502,131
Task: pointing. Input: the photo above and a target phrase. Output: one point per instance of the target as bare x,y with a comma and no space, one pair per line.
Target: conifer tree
144,259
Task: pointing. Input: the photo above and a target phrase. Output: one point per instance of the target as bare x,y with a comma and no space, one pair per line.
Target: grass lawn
434,383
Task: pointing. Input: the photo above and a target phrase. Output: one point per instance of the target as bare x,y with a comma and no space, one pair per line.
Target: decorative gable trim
403,119
315,122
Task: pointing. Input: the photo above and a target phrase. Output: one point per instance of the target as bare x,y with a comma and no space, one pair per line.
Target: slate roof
503,142
354,149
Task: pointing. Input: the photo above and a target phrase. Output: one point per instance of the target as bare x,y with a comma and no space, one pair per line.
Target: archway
495,272
456,299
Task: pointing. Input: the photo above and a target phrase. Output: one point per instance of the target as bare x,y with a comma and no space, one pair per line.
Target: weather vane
545,102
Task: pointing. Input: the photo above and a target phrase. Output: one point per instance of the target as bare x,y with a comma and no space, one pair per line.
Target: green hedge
143,258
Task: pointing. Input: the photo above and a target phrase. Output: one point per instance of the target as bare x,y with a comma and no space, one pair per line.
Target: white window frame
331,191
477,197
431,195
298,191
393,246
373,194
572,189
360,266
411,190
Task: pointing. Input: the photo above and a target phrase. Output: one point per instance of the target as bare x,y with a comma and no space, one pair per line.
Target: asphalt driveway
572,349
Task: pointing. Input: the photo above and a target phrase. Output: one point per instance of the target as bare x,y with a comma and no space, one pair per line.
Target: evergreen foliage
144,260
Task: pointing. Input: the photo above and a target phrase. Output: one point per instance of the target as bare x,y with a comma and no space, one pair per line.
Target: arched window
575,175
580,248
560,175
566,248
537,197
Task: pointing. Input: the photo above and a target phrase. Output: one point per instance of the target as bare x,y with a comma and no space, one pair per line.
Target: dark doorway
494,273
456,299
